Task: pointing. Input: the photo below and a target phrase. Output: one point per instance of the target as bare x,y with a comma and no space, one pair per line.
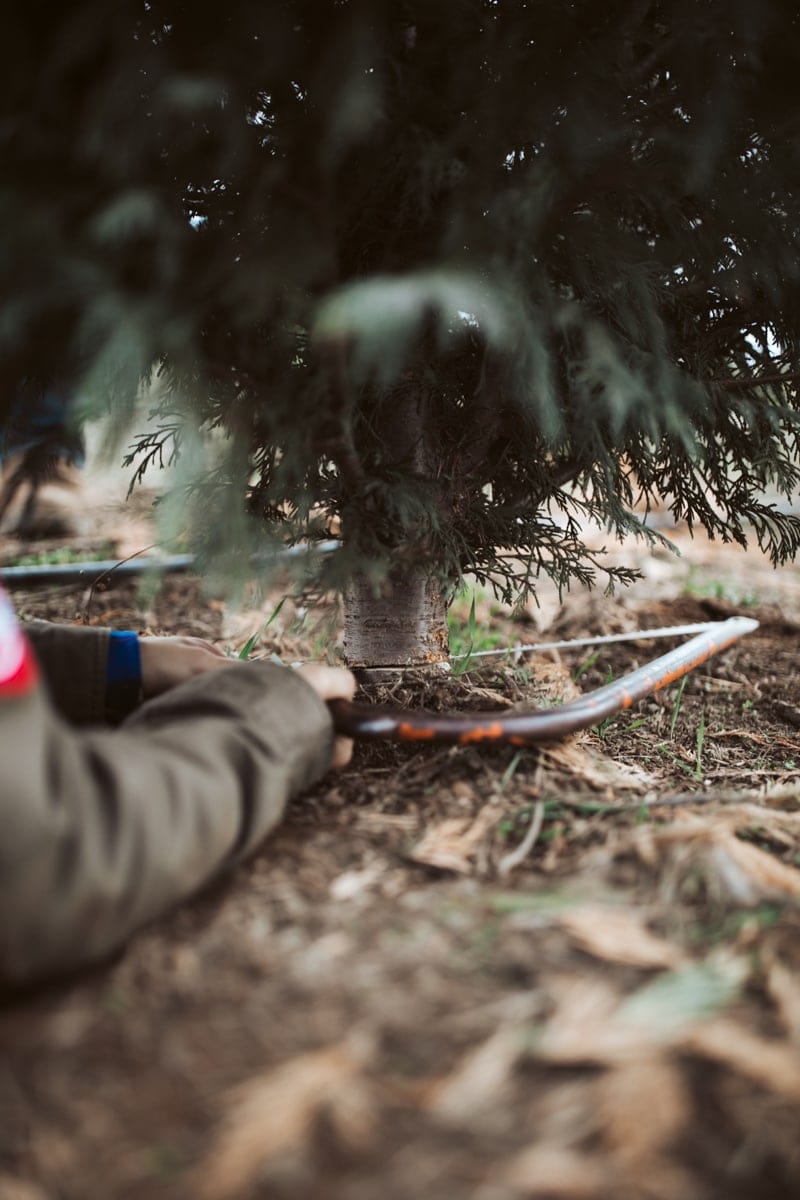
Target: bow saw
542,725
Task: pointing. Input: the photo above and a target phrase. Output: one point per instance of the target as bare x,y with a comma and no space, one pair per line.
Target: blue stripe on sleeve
123,673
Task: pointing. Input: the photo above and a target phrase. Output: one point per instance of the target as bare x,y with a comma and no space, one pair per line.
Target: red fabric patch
18,672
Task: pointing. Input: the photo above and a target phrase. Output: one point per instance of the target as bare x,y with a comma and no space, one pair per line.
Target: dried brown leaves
614,1130
273,1115
451,845
735,871
581,759
619,935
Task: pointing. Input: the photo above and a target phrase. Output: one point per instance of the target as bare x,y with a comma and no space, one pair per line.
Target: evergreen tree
454,274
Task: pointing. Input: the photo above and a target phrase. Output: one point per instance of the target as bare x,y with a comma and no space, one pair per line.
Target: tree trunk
404,626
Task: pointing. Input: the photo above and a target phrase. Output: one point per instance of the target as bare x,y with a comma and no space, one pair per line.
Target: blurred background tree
451,277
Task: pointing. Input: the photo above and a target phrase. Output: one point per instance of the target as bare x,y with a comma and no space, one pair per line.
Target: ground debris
766,1063
451,845
706,850
619,935
360,1010
273,1115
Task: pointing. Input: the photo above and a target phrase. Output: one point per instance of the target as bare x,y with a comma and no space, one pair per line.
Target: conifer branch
576,226
731,385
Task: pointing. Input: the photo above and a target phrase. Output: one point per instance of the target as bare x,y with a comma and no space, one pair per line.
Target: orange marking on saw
665,680
482,733
410,733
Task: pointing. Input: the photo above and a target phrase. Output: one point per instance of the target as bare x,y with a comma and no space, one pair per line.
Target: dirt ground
568,972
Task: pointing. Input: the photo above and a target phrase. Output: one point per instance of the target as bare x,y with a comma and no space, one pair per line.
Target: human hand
332,683
168,661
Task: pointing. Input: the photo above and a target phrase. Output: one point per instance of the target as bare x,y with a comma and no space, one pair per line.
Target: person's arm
95,675
104,830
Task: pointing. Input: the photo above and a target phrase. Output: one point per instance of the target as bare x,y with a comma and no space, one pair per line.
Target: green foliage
677,998
250,645
699,743
468,636
583,667
62,554
457,274
676,707
698,584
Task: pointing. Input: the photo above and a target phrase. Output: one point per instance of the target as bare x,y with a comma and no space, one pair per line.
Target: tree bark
404,626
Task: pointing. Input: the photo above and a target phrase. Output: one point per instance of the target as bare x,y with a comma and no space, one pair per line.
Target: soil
489,973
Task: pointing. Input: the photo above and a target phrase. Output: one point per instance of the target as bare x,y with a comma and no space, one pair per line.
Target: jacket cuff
123,675
73,661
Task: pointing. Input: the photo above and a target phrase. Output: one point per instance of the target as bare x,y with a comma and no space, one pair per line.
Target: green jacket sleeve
103,830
